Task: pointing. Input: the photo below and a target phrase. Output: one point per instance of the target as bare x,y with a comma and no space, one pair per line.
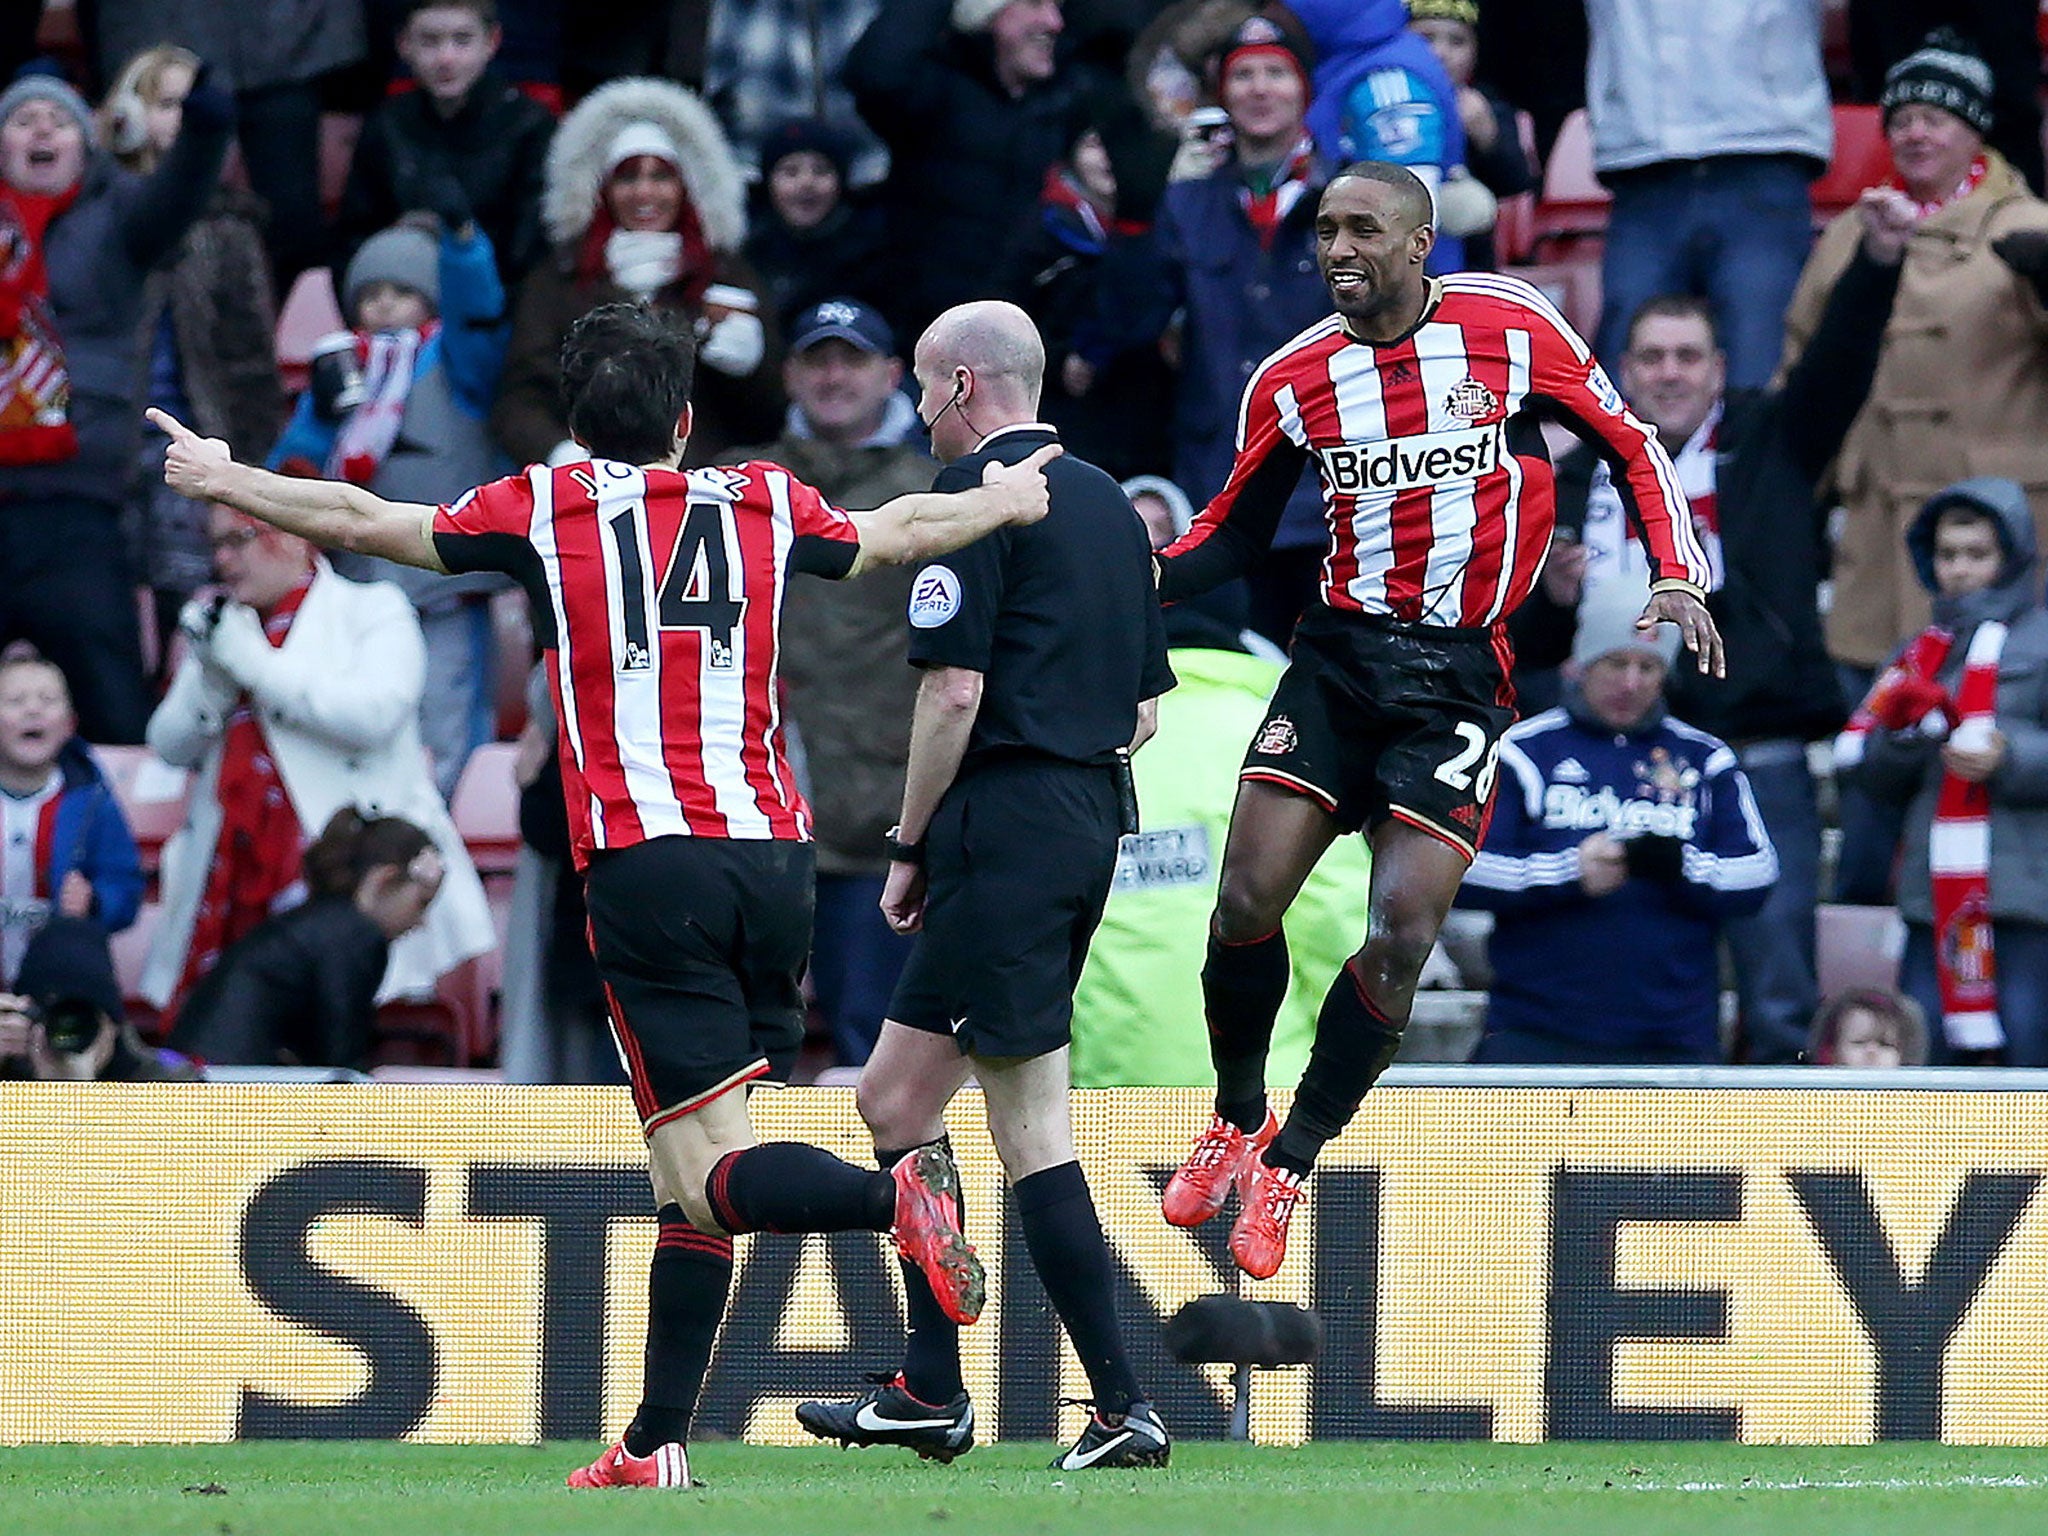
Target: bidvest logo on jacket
1665,803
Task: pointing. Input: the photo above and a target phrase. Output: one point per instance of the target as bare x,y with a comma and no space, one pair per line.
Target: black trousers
65,587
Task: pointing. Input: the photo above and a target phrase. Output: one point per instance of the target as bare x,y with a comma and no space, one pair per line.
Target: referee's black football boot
889,1415
1134,1438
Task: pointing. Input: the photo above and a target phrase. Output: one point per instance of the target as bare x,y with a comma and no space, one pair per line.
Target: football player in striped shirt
656,594
1417,404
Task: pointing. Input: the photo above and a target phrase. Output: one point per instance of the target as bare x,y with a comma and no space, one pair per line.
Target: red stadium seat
1571,215
1572,285
1514,228
1857,947
1862,159
310,312
512,640
131,951
338,134
486,808
151,795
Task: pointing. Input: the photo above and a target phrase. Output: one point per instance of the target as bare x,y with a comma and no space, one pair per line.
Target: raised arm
1236,528
330,513
926,524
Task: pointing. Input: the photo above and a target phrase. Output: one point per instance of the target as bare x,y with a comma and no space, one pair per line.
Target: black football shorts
1018,864
1376,719
700,943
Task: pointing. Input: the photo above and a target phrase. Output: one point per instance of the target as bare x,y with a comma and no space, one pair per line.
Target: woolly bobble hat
975,15
1265,34
403,254
37,86
1466,11
1944,73
1607,623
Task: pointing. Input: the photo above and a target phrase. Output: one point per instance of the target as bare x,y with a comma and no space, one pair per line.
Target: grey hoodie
1905,767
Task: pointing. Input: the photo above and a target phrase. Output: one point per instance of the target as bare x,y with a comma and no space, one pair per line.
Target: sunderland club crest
1472,401
1277,739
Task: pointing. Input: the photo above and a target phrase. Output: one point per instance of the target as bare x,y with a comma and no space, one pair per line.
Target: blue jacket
1640,964
1243,304
1381,94
91,836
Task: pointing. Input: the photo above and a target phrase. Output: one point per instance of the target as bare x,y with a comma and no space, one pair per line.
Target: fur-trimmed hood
576,174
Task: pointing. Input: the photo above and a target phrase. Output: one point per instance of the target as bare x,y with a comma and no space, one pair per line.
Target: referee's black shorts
701,943
1019,861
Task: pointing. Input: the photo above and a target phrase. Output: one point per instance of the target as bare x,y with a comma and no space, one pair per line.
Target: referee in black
1043,653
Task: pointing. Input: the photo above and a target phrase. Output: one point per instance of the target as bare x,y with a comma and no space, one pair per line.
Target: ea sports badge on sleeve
934,597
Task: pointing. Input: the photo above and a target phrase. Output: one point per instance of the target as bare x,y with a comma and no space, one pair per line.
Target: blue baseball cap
857,324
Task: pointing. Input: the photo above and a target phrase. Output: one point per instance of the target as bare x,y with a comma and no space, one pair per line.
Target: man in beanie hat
975,105
427,310
1962,382
79,237
2000,33
1617,833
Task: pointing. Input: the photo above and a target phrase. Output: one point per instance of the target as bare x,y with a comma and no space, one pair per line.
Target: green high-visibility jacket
1138,1012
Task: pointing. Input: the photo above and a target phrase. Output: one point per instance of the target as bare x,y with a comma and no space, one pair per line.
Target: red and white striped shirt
659,595
1436,482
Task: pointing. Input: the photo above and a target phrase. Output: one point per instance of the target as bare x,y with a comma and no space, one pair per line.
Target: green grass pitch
1381,1489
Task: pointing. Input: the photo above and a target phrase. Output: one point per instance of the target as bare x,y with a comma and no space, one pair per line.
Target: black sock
787,1186
1071,1255
1354,1043
686,1288
1243,986
931,1350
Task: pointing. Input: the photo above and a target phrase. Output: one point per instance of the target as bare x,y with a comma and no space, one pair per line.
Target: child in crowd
426,308
465,145
1869,1027
1956,731
809,240
1493,142
65,847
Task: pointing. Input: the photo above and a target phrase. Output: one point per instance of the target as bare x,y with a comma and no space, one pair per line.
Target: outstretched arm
930,523
330,513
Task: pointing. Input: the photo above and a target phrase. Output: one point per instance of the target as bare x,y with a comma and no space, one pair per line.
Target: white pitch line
1887,1484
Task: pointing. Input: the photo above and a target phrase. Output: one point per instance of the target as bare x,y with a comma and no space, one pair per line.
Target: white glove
735,345
197,619
1464,206
567,451
240,648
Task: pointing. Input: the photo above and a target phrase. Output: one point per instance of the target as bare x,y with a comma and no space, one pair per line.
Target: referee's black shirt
1061,618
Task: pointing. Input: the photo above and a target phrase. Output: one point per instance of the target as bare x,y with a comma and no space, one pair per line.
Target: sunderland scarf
35,386
364,441
1973,178
1907,697
1959,857
256,858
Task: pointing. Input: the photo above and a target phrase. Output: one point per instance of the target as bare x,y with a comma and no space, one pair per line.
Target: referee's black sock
931,1351
1071,1255
1354,1043
1243,986
787,1186
686,1288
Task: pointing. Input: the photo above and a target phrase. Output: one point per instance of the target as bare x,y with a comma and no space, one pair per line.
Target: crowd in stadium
321,822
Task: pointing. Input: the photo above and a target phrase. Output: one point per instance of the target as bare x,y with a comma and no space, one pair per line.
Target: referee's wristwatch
901,852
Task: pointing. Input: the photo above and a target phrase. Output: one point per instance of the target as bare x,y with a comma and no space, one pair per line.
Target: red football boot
1223,1155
